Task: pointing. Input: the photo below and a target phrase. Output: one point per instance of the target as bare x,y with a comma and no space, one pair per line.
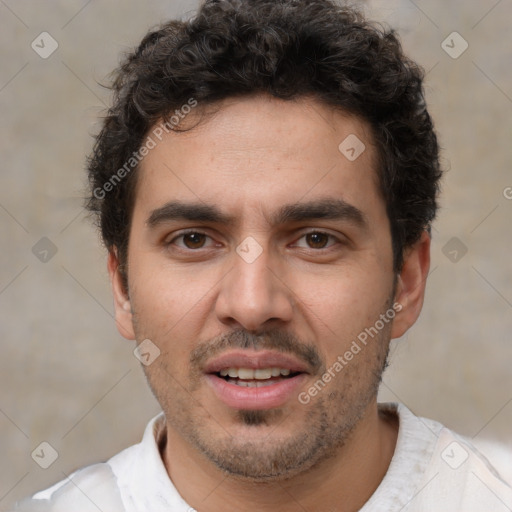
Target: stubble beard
329,420
327,426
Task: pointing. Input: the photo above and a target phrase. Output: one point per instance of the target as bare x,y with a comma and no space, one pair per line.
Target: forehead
263,152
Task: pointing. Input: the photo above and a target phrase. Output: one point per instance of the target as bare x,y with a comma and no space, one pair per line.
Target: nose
254,296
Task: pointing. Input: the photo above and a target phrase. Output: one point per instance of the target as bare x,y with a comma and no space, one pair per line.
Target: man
265,183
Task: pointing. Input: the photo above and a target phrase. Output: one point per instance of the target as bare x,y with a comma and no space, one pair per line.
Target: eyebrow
328,209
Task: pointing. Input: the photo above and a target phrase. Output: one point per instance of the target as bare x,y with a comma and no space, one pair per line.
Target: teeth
245,373
251,383
250,374
263,373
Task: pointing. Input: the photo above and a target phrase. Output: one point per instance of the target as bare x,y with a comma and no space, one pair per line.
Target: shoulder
434,468
461,477
88,489
100,486
498,454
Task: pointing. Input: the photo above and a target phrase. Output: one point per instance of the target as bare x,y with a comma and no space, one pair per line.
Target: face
259,255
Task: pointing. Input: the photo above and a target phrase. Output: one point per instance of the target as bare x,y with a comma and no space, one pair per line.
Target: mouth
255,380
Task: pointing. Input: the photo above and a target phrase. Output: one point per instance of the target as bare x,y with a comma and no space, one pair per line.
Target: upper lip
255,360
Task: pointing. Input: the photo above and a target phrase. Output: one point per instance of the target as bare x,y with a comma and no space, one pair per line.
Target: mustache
276,339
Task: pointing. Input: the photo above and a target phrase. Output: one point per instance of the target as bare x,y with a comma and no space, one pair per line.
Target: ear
411,283
122,306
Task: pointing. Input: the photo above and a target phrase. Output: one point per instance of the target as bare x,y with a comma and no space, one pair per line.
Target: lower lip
265,397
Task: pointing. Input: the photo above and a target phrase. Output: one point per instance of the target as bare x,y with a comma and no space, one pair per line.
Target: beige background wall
66,376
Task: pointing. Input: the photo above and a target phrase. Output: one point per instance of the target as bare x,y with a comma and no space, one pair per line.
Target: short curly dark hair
286,49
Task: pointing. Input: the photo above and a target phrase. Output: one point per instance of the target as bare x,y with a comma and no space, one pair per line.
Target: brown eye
189,241
194,240
317,240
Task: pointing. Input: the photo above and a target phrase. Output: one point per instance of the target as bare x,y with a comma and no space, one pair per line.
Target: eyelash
197,232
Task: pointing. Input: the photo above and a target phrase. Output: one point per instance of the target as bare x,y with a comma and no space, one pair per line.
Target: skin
195,297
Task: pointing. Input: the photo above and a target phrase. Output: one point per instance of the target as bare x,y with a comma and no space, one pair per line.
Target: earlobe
411,283
122,305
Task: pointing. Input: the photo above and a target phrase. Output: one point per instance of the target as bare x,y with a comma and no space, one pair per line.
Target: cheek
169,302
341,306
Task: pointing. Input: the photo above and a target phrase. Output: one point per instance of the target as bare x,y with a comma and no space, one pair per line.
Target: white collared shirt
432,469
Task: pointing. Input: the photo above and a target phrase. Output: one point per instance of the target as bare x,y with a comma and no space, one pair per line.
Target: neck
344,482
